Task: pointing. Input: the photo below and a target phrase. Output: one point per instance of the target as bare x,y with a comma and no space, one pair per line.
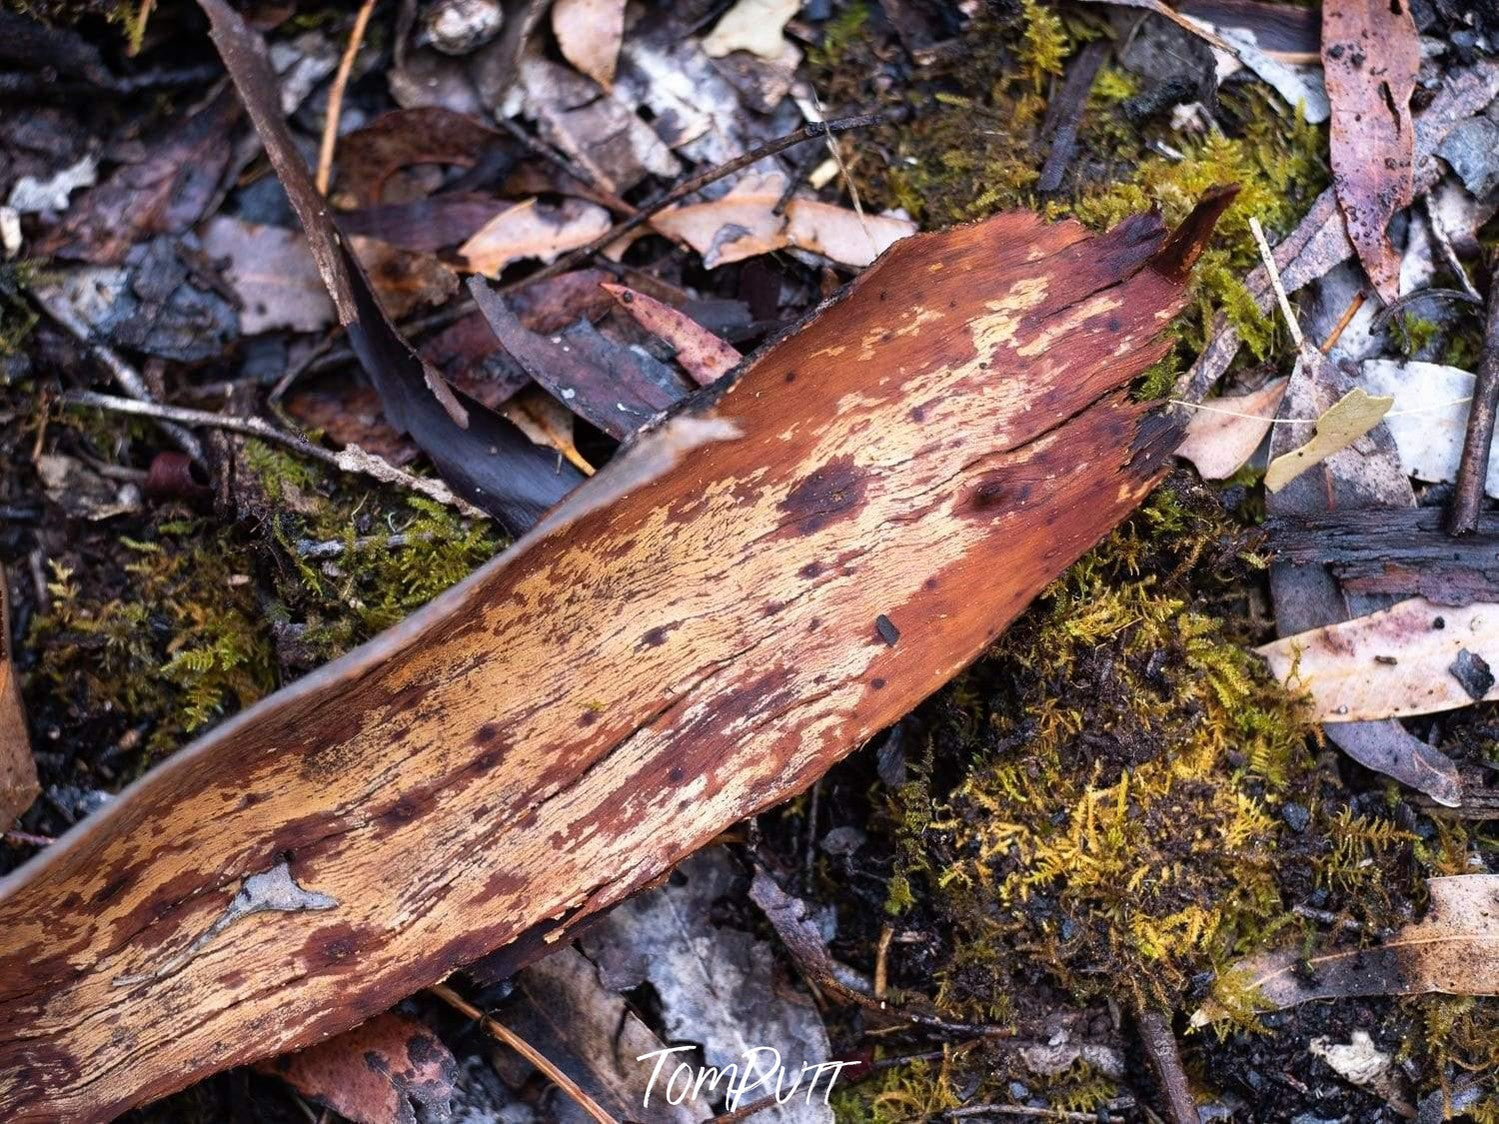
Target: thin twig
1280,290
349,459
126,376
1028,1111
525,1050
1473,468
336,96
1343,321
1165,1057
540,148
29,839
1400,304
695,183
882,960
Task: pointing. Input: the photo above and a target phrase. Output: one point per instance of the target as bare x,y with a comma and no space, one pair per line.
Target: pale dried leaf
1392,663
530,230
843,235
716,983
547,422
562,1010
1220,443
752,25
615,146
1350,417
589,33
375,1073
739,225
272,271
701,354
743,223
1430,417
1454,951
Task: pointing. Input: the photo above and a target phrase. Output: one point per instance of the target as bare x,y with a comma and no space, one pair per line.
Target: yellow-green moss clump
164,624
1117,819
975,148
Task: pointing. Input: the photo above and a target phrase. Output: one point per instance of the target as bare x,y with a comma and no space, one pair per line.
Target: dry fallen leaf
1350,417
743,223
374,1073
530,230
1454,951
1370,55
699,352
1408,659
1225,432
1430,418
843,235
547,422
752,25
272,271
589,33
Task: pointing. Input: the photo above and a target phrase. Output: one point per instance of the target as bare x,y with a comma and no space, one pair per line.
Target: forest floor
1066,854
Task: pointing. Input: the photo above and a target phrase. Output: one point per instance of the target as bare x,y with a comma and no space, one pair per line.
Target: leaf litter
158,265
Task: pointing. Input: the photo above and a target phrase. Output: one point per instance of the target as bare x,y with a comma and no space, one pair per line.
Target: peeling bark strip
689,638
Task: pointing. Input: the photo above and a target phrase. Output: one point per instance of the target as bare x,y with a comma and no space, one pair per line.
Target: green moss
179,646
17,316
1115,823
838,34
1413,334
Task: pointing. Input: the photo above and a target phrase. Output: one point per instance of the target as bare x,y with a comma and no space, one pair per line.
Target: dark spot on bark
811,570
111,888
676,774
930,583
232,978
335,944
790,376
250,799
814,624
1114,324
877,683
833,490
772,608
486,733
885,628
655,637
588,718
918,414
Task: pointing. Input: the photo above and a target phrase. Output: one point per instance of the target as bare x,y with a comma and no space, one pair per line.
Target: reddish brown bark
752,589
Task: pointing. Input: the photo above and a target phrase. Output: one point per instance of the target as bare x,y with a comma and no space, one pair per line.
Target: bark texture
757,585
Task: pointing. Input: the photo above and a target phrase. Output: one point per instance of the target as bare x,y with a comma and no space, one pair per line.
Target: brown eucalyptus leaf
1370,56
165,192
702,354
589,33
369,156
376,1073
1453,951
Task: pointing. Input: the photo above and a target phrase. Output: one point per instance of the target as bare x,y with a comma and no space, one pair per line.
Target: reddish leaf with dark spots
1370,55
